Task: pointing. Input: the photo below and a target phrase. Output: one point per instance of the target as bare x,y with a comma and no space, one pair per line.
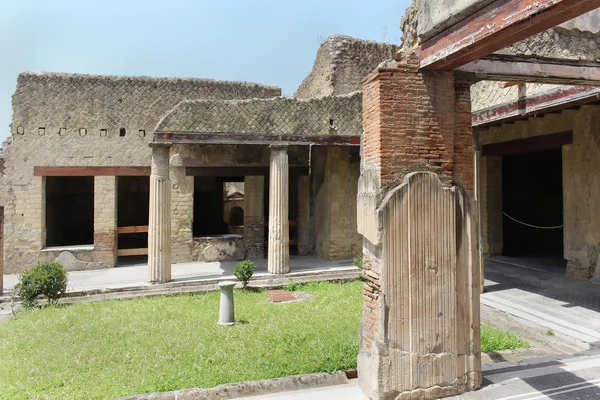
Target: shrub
357,262
291,286
48,278
243,271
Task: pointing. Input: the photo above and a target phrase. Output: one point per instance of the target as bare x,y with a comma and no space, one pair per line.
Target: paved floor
556,378
135,274
567,306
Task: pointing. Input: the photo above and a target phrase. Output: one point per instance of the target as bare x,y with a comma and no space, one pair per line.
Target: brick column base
418,218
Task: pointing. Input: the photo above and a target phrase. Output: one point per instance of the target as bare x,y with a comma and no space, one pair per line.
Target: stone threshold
79,247
250,388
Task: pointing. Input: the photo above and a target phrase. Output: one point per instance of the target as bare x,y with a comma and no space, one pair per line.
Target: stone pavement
556,378
567,306
136,274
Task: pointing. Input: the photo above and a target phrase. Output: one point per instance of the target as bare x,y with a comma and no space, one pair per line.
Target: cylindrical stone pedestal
226,309
279,237
159,226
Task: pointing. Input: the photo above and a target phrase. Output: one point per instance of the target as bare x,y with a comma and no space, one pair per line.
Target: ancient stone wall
337,237
224,248
340,65
325,116
581,180
85,120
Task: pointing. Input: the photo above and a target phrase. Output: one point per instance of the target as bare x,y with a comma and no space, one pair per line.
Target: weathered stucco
76,120
325,116
336,234
340,65
581,182
210,249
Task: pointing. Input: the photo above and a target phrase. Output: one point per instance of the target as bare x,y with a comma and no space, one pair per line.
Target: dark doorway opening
236,216
133,204
69,210
209,218
532,196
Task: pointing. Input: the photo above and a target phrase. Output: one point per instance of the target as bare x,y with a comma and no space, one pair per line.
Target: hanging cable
533,226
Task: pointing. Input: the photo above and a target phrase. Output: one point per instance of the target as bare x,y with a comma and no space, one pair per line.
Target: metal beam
247,138
533,71
501,24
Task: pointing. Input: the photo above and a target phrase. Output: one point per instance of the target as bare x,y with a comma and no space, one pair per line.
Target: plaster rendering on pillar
159,226
279,239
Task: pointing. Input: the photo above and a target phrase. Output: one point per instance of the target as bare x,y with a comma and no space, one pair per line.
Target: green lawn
118,348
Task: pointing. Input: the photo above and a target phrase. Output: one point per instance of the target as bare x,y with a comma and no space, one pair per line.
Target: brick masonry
415,122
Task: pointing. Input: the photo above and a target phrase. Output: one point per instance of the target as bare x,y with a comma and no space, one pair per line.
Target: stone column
159,227
416,212
304,245
279,231
105,221
254,216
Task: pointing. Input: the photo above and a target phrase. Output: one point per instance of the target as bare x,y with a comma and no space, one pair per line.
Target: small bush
243,271
48,278
291,286
357,262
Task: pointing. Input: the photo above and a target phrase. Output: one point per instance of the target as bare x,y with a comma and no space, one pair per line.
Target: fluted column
279,232
159,227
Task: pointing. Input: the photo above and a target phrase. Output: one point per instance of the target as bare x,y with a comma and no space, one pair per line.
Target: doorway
532,198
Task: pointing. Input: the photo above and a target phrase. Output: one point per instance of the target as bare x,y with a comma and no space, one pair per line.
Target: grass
118,348
495,340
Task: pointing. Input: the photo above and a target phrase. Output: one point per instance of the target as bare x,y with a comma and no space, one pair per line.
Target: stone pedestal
159,227
279,235
254,216
416,212
226,305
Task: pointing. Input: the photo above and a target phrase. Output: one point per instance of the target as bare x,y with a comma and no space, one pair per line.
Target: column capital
278,146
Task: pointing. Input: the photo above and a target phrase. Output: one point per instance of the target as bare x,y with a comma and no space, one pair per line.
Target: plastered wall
581,182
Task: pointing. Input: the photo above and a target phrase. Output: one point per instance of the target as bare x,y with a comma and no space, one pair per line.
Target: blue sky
268,41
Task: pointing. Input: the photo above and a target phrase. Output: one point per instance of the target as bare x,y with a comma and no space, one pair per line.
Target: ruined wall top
94,102
323,116
340,65
578,39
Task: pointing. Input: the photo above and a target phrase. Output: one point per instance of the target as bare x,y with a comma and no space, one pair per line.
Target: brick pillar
416,212
304,244
159,226
279,230
254,216
105,221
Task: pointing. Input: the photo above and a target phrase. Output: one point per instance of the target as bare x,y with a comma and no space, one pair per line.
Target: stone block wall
254,218
79,120
340,65
105,221
581,182
336,234
491,206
